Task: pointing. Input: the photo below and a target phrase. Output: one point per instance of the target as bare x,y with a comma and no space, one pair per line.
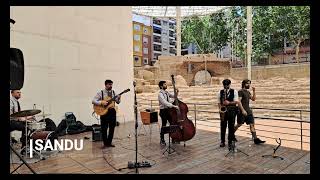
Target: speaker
16,68
96,133
149,117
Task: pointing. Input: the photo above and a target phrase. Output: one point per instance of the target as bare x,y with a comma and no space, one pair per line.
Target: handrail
196,109
282,109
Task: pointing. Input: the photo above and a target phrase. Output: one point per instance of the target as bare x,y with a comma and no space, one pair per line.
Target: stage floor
201,155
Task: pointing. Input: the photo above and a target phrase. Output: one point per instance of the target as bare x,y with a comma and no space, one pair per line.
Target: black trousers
19,126
164,114
108,121
229,119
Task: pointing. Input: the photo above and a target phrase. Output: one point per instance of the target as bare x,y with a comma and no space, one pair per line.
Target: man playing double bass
164,103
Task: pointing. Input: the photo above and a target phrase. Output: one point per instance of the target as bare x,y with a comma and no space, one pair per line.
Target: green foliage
271,25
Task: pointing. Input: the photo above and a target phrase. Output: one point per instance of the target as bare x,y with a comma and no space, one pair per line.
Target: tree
209,33
271,26
293,24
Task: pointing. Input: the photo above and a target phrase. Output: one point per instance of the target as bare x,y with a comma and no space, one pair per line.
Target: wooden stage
201,155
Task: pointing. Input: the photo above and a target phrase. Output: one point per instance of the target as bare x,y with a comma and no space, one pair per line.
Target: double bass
179,117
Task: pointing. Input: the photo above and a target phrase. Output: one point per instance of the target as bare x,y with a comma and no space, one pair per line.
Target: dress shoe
163,142
110,145
258,141
23,152
222,144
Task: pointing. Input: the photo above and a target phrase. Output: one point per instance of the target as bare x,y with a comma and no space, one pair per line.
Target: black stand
233,149
169,129
24,162
137,164
274,151
169,148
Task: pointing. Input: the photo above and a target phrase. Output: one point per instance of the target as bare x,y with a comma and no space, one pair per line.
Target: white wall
69,52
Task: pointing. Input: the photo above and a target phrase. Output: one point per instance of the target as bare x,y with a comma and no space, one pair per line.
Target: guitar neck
114,98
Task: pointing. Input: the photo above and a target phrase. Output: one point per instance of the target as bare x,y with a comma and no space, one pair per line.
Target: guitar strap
102,94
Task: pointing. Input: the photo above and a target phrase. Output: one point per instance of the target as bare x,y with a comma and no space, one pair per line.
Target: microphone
12,21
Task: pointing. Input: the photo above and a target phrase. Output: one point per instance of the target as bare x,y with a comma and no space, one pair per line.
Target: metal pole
178,30
301,129
249,39
195,115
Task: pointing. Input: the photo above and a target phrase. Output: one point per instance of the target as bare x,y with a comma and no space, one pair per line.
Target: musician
164,103
108,120
247,115
18,123
227,98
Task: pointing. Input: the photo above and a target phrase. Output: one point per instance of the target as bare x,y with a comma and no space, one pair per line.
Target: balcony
156,30
157,22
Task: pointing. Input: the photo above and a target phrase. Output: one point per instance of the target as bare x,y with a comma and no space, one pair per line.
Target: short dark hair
12,90
245,81
161,83
226,82
108,81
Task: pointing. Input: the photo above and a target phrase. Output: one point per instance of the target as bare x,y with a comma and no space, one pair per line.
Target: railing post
195,115
301,130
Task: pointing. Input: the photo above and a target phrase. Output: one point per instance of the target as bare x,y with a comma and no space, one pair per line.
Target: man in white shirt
19,123
108,120
227,103
164,104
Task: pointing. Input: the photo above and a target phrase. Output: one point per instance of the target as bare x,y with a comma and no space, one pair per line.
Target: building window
165,23
137,37
145,30
145,50
136,27
145,40
136,48
145,61
136,59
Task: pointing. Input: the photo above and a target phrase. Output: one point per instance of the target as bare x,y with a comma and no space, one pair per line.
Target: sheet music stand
169,129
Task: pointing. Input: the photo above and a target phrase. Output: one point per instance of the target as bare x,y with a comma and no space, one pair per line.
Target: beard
247,87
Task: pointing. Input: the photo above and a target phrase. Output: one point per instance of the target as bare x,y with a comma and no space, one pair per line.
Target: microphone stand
23,161
136,124
137,164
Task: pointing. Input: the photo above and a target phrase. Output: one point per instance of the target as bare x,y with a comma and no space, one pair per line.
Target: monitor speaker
16,68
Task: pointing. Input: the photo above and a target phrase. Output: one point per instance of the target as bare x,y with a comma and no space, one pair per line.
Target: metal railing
300,120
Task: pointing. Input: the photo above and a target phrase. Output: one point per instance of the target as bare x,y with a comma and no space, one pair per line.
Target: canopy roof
170,11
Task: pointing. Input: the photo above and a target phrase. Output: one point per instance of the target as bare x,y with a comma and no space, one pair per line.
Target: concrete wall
265,72
69,52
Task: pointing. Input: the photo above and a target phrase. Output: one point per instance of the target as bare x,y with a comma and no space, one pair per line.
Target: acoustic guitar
103,109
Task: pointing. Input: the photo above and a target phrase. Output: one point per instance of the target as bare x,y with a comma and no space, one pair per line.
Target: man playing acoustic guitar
108,119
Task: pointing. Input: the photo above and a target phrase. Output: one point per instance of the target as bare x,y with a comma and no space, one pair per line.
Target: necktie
19,108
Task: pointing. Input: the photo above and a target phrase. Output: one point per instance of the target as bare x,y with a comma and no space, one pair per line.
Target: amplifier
96,133
149,117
